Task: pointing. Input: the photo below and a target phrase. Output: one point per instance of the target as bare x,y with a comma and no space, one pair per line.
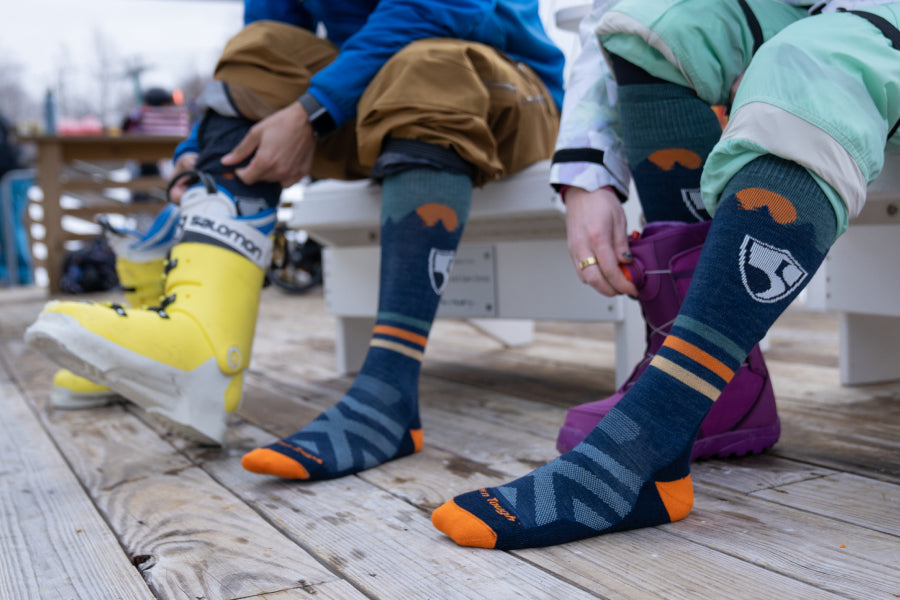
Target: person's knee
265,67
402,155
463,97
795,97
670,43
628,73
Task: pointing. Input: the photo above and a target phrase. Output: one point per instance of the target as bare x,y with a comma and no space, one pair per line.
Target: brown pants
494,112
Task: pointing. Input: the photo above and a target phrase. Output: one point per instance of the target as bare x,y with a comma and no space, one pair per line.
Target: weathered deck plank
53,542
844,497
737,525
815,518
855,561
382,544
652,564
183,531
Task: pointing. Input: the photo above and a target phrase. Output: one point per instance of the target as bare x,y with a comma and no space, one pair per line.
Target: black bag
91,269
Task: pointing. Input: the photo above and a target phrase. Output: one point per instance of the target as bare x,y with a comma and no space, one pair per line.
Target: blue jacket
369,32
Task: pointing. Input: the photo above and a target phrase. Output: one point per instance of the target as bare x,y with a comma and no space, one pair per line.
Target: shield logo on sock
439,264
694,203
768,273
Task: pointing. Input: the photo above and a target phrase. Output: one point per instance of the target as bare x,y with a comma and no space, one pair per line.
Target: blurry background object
158,114
15,258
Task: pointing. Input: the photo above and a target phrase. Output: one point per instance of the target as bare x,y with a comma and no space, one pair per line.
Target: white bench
860,279
512,266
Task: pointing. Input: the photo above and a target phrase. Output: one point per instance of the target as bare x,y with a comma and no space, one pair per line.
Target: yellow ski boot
140,260
182,360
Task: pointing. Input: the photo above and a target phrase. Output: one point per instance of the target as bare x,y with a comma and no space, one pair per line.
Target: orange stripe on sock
780,208
433,213
699,356
403,334
463,527
667,158
677,496
686,377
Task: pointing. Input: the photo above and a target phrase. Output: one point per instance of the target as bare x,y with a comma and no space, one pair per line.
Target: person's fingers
617,278
587,264
620,244
186,162
300,169
254,170
599,264
244,149
597,275
177,191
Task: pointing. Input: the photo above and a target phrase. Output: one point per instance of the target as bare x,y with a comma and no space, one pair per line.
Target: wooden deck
99,504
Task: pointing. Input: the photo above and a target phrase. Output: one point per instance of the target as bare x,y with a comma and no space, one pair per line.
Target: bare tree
132,70
105,74
15,103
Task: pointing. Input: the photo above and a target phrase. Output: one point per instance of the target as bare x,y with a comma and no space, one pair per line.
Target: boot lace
161,309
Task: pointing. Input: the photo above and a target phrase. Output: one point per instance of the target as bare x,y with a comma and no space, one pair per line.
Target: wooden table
55,153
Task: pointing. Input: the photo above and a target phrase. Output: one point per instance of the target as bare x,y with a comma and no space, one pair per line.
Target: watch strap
319,117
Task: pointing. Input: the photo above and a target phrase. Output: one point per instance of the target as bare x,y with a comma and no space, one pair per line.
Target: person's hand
185,162
596,229
284,144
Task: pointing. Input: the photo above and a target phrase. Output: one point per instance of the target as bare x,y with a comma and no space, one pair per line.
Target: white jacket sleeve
589,153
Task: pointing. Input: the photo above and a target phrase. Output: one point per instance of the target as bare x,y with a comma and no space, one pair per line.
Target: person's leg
809,122
772,226
668,130
427,155
633,470
424,210
670,69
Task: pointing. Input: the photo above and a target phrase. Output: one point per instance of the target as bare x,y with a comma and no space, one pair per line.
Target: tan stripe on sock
685,377
405,350
403,334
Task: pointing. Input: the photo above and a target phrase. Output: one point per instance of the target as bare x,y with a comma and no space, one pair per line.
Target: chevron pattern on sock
606,483
370,425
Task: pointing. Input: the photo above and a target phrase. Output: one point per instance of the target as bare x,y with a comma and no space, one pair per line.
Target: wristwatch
319,117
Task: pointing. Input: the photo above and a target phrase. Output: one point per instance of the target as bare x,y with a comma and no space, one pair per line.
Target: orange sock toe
463,527
677,497
270,462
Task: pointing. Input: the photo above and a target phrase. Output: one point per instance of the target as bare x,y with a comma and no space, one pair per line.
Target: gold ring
590,260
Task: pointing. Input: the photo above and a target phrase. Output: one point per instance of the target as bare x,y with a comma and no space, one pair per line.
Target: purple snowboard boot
744,419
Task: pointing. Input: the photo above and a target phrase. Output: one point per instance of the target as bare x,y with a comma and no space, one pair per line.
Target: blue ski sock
668,133
770,234
423,214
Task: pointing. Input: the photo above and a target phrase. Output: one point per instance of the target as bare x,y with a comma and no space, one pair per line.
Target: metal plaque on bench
471,292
